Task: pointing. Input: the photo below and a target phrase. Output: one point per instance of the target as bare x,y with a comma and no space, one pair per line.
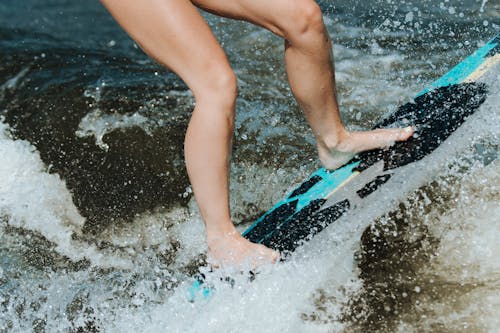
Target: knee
219,88
307,21
226,85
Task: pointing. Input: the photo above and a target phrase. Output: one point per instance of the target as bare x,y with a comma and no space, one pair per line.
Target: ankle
333,141
220,233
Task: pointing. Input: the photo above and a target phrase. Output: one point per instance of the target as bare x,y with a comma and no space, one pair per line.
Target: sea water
99,231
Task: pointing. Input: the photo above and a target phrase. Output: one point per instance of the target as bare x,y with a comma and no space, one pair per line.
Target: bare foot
235,251
342,150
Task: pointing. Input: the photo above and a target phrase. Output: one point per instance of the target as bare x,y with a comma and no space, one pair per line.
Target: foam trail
32,198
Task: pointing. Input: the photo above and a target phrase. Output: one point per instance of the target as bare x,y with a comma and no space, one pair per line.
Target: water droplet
409,17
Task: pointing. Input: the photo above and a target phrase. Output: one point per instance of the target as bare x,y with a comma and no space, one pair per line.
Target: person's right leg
310,72
174,33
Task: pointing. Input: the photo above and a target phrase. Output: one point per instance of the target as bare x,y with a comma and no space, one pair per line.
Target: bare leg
174,33
310,72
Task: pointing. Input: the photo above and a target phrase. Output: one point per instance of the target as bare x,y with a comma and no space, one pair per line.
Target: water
98,229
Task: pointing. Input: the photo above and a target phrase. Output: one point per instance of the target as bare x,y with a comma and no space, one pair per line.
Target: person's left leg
175,34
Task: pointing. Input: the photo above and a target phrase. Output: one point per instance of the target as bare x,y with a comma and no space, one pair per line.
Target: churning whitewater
99,231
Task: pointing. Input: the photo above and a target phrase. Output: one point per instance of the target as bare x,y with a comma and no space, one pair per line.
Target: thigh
175,34
282,17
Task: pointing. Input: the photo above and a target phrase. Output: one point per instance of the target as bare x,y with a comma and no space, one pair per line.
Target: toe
406,133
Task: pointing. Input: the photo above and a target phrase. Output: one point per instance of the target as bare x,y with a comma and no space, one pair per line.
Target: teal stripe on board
460,72
198,288
330,180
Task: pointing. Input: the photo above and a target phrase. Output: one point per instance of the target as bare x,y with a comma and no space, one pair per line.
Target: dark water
99,231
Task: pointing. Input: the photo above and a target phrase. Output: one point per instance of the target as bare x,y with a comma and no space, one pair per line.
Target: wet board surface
326,195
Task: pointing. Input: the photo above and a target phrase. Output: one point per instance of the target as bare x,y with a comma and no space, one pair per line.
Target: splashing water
98,228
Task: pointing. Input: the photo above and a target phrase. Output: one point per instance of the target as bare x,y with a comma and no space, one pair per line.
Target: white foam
178,231
34,199
98,124
273,302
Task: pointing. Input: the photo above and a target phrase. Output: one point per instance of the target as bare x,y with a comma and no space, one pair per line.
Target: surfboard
436,112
